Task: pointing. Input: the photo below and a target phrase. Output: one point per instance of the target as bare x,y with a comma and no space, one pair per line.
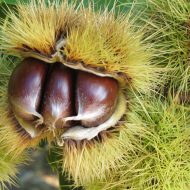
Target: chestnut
58,96
25,91
55,96
96,98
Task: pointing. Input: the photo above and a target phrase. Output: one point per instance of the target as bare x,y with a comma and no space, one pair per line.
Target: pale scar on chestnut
55,96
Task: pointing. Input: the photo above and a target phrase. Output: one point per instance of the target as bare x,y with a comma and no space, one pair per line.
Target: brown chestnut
58,96
96,98
54,96
24,92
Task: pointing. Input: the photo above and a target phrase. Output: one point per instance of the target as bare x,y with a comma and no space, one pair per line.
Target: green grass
167,24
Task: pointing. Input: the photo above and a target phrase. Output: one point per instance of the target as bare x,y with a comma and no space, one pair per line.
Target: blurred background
37,175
